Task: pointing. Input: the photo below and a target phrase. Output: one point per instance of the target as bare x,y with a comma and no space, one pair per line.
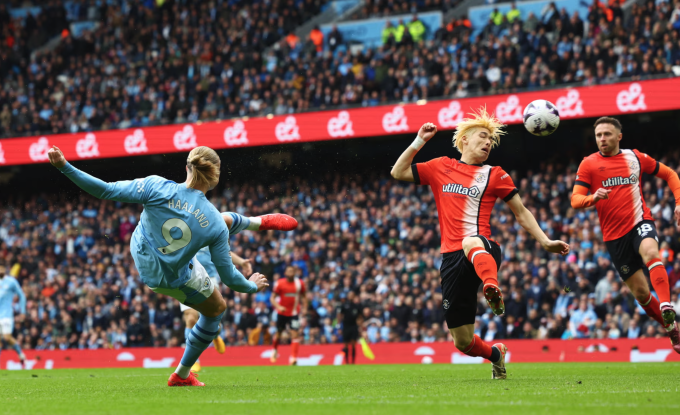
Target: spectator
582,321
417,29
334,38
513,14
388,34
317,38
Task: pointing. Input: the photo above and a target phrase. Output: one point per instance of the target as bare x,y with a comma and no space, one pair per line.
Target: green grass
567,388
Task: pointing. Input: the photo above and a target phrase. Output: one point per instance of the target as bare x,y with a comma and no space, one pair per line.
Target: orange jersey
465,195
290,295
621,174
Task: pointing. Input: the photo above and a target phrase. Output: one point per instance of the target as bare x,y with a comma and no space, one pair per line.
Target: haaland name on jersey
202,220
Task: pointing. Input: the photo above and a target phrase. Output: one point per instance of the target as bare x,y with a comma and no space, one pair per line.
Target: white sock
183,371
255,223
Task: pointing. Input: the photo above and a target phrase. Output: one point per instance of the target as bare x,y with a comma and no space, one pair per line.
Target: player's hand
57,158
601,193
246,267
259,280
427,131
557,247
677,214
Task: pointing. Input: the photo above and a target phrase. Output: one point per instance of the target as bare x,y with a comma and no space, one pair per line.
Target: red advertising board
520,351
582,102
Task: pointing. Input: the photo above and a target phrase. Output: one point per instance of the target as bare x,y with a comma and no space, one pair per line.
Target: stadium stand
361,231
187,62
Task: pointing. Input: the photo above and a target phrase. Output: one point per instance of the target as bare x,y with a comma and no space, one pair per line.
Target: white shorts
184,308
199,287
6,325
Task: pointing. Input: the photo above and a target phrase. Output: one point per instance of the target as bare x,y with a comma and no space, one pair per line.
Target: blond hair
480,119
204,165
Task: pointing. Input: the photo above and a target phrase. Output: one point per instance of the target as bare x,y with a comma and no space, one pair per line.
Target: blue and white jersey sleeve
203,256
219,251
128,191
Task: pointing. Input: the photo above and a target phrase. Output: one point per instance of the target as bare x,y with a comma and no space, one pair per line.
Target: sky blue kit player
9,287
177,221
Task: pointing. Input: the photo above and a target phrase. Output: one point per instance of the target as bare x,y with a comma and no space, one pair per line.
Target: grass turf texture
567,388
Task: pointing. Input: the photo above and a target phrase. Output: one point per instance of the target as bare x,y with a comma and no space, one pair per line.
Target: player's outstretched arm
402,168
129,191
528,222
230,276
671,177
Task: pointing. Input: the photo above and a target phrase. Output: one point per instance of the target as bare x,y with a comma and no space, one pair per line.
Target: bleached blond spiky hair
480,119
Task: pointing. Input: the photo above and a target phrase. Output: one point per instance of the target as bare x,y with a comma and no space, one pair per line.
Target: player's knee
462,342
220,308
641,294
649,253
471,242
191,321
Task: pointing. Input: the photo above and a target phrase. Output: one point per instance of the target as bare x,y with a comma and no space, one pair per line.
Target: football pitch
567,388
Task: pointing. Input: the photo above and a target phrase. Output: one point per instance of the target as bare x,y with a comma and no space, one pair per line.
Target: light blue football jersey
176,223
238,223
9,287
203,256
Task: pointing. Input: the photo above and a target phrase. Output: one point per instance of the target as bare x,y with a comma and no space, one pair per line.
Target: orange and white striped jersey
290,295
465,196
621,174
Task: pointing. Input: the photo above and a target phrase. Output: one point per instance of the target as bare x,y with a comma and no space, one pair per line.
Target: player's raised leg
640,289
487,270
273,221
469,343
649,251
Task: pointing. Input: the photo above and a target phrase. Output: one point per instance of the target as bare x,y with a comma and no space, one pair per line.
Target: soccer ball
541,117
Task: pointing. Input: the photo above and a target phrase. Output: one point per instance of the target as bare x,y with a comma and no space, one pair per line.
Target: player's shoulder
157,184
440,161
591,159
10,280
497,172
639,154
157,181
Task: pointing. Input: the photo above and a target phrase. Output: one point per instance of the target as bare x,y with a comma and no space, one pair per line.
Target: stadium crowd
365,233
206,60
372,9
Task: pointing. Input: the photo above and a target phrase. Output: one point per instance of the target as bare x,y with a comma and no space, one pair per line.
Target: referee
350,314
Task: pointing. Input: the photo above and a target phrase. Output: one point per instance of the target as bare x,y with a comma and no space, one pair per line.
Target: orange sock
479,348
485,265
652,308
659,277
275,343
294,346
